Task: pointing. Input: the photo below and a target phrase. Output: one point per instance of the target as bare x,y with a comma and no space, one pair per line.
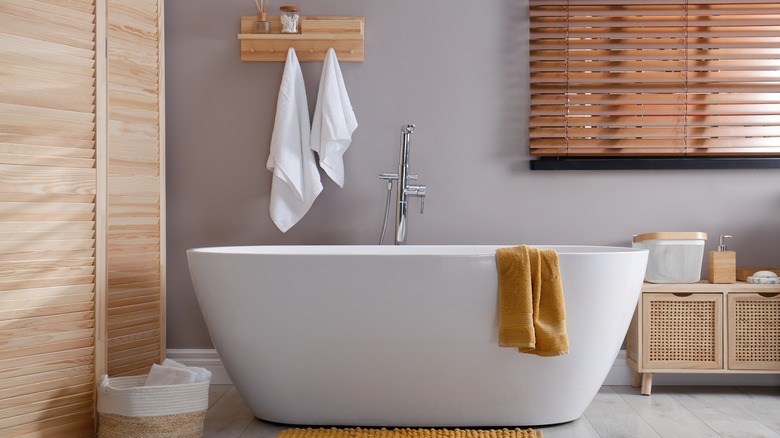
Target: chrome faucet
404,188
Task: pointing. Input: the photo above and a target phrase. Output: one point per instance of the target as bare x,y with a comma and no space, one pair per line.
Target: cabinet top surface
706,287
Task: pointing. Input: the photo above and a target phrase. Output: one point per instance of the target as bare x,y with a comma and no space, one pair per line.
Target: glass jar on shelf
290,19
261,25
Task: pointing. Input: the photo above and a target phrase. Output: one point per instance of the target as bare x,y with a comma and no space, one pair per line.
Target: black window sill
649,163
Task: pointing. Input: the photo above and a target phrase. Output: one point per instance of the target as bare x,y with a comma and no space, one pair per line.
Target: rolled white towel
202,374
164,375
175,373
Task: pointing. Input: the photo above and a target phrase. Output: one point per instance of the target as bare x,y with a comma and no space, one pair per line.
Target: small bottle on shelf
261,25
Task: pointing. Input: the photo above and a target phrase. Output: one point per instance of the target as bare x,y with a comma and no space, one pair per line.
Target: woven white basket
126,408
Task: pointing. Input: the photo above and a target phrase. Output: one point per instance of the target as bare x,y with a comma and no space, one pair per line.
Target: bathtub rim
406,250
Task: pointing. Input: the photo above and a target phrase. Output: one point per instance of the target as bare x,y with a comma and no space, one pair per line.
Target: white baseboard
620,374
205,358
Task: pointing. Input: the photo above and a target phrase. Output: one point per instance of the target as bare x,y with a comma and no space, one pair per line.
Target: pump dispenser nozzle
722,242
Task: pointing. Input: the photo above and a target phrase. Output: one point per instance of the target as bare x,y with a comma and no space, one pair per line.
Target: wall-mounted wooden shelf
318,34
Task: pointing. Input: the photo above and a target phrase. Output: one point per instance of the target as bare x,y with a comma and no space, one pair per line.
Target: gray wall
456,69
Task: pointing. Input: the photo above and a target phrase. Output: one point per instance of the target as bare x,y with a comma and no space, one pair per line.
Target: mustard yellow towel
532,312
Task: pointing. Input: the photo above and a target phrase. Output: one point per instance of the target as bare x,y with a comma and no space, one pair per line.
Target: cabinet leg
636,379
647,383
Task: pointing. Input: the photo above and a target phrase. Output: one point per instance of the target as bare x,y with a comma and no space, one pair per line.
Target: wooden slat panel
15,274
45,333
47,235
135,340
69,244
77,425
134,273
132,320
131,331
33,323
28,255
138,368
123,291
35,179
131,355
58,397
69,410
32,342
128,150
21,353
68,18
32,312
79,267
142,296
46,146
138,363
37,382
46,161
47,152
129,319
86,6
134,357
134,184
29,366
48,184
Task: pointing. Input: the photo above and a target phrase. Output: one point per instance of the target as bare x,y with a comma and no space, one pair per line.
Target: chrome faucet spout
404,189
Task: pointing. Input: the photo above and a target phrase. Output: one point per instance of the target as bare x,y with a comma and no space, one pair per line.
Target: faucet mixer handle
418,191
421,193
388,176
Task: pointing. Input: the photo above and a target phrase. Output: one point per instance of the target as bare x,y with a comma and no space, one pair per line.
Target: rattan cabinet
704,328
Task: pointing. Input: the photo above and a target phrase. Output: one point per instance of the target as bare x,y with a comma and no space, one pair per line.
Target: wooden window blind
616,78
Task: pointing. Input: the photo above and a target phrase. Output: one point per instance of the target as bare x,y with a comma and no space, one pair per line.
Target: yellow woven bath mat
410,433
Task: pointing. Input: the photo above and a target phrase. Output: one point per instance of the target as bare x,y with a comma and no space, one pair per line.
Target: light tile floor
617,411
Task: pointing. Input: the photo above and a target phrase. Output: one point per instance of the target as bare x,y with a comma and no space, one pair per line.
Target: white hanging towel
334,121
296,181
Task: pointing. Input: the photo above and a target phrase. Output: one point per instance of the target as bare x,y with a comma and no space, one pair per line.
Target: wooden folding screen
48,191
667,77
135,167
80,206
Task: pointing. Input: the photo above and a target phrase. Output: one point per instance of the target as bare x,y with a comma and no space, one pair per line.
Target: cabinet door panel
682,331
754,331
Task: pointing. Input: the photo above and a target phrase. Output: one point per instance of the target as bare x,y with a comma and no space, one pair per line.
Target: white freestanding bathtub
405,335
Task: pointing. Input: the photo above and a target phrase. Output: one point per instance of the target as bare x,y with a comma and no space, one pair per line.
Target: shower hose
387,210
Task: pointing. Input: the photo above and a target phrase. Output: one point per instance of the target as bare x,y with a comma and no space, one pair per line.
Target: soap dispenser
722,264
